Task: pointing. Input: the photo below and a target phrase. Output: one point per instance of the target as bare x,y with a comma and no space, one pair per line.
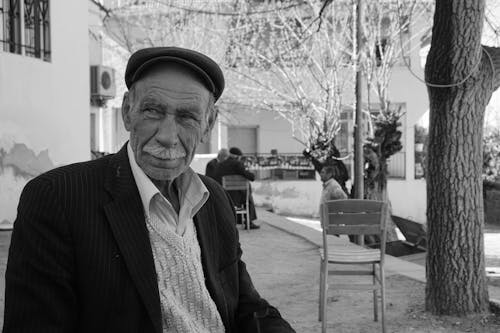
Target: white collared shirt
186,304
332,191
192,196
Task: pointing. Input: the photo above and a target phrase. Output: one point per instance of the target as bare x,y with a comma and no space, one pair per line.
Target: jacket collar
207,234
126,218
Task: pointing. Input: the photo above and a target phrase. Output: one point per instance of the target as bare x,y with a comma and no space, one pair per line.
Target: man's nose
167,134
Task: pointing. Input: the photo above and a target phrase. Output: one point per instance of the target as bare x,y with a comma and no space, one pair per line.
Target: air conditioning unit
102,82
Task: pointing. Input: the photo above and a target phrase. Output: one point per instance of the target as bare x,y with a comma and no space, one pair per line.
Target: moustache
163,153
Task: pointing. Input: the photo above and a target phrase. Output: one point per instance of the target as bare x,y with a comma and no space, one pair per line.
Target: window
27,34
10,25
37,29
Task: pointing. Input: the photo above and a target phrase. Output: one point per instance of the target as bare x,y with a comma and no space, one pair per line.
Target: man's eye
151,113
187,116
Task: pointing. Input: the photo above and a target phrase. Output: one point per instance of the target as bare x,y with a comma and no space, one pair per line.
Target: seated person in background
234,166
341,174
331,188
333,191
212,165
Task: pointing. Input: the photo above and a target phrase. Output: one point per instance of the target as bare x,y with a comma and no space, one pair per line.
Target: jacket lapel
126,218
207,233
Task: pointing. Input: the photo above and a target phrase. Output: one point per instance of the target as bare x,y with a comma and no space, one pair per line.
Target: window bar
14,23
2,29
36,26
21,26
45,36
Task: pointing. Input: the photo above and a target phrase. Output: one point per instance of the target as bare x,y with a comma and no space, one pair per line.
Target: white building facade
44,92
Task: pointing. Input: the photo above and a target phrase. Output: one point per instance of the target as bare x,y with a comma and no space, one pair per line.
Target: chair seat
351,255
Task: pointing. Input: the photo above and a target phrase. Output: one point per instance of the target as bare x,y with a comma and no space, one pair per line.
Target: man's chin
165,173
164,169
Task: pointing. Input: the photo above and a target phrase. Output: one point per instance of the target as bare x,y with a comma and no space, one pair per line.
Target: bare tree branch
105,10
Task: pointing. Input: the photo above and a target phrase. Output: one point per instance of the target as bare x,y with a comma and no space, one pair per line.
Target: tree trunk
456,281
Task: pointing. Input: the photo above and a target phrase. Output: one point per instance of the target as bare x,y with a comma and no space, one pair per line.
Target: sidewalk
393,265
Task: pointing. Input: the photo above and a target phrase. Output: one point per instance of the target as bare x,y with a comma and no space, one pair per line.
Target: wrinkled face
324,174
168,112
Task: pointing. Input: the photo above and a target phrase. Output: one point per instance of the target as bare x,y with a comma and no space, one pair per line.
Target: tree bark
456,280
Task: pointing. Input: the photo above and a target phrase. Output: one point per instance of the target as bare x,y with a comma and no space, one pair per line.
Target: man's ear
211,120
126,111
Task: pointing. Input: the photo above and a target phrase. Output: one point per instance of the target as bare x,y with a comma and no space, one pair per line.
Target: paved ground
285,270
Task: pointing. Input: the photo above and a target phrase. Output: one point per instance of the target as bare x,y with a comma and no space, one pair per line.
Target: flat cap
208,70
235,151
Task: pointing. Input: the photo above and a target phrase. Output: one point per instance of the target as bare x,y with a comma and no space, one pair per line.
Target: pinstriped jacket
80,259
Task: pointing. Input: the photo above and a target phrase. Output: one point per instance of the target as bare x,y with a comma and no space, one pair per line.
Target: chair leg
321,282
382,293
375,300
248,219
325,296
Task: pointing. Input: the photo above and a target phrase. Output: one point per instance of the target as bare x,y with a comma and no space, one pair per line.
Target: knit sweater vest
186,304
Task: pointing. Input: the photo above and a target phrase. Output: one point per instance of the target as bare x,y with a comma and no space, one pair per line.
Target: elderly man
136,241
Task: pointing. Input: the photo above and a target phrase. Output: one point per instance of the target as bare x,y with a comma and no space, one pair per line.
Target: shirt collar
192,192
325,184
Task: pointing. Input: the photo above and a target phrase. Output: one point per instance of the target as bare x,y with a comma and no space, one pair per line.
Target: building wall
293,198
44,106
408,199
273,132
302,197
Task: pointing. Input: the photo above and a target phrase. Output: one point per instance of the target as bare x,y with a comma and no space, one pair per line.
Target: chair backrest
354,217
234,183
237,183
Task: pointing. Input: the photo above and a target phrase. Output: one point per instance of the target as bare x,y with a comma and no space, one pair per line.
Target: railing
283,161
279,166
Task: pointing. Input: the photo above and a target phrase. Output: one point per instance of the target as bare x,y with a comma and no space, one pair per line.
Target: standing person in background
212,165
234,166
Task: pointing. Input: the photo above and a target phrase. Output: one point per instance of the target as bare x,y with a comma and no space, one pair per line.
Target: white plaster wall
405,88
45,105
300,197
408,199
273,132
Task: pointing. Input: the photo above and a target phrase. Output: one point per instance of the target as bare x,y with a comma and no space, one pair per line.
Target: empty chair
239,183
352,217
